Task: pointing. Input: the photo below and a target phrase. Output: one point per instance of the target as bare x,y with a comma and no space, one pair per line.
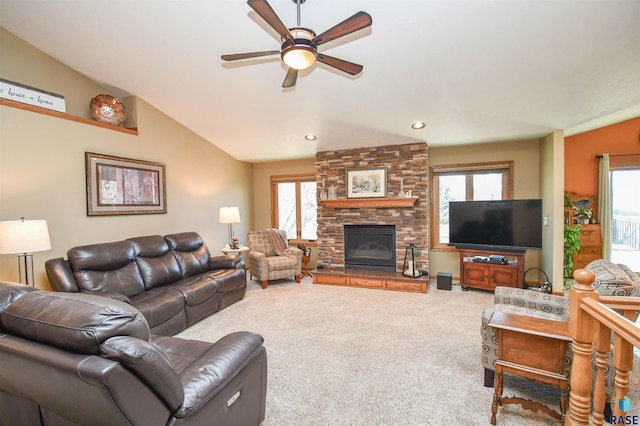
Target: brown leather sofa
69,359
172,280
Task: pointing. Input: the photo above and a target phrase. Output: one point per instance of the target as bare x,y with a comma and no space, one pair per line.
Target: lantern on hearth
412,264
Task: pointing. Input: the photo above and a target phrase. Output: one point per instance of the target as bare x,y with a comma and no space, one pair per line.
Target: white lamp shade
229,215
299,58
24,236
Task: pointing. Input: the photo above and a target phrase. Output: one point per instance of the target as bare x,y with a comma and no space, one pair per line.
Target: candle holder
412,263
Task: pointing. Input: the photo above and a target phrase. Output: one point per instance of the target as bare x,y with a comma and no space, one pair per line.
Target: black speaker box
444,280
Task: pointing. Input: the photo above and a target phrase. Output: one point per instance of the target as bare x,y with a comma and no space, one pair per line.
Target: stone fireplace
406,162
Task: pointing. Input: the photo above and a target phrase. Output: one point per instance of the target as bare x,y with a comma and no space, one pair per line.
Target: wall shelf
64,116
370,203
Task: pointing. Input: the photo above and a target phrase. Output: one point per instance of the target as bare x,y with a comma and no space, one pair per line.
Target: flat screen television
501,225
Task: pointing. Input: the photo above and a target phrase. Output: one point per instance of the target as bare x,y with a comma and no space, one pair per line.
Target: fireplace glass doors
370,247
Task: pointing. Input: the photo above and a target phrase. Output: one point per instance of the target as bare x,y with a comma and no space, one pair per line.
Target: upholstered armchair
539,305
270,257
522,302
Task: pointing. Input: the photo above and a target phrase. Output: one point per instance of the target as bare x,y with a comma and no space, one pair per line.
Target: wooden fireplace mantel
370,203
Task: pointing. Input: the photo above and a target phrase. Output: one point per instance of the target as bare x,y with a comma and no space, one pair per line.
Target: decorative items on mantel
370,203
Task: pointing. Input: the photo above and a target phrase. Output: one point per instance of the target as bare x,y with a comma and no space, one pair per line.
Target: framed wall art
367,183
121,186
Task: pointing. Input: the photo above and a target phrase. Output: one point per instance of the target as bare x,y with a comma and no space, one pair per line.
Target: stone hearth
409,162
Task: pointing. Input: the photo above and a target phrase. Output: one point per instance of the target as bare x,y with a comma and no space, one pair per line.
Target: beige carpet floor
349,356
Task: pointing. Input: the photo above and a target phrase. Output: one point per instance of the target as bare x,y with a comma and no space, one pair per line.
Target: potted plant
571,248
585,215
571,241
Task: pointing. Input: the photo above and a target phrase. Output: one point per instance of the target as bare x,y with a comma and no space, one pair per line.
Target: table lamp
24,237
229,215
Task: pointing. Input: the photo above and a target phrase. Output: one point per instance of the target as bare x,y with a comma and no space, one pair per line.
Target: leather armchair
265,264
73,358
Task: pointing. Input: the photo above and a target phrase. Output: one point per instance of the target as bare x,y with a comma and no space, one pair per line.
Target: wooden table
306,269
241,251
532,348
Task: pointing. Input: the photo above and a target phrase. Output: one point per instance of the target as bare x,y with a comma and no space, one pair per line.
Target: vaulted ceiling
472,70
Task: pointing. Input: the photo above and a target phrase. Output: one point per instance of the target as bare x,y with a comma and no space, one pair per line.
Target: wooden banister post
602,343
623,362
581,329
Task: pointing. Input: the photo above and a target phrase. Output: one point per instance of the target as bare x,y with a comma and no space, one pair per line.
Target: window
625,215
295,207
465,182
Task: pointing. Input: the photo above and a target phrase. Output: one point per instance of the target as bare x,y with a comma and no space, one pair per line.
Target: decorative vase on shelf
332,193
401,194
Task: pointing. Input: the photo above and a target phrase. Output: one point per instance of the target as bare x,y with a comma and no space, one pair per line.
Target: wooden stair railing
592,319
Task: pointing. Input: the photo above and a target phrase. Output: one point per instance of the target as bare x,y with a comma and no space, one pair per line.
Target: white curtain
604,205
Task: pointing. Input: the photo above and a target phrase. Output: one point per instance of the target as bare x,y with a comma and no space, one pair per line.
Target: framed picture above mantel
124,186
370,183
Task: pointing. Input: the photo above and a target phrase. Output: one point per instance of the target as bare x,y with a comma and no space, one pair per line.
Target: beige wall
42,174
552,191
262,172
525,156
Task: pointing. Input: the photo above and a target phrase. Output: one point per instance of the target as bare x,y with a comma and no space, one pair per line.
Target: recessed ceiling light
310,137
418,125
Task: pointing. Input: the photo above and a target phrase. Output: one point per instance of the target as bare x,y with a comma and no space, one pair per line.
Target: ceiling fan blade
357,22
290,78
237,56
341,64
265,11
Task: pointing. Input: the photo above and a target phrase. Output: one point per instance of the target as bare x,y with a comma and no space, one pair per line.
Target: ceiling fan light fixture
299,57
302,53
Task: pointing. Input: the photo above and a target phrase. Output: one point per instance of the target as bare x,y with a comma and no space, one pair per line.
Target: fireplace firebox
370,247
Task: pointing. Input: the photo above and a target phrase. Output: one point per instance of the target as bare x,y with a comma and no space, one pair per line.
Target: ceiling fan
299,48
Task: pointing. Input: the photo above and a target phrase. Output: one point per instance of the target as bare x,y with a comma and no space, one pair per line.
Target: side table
532,348
242,251
306,270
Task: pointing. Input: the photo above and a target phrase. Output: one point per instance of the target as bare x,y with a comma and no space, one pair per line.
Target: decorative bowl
107,109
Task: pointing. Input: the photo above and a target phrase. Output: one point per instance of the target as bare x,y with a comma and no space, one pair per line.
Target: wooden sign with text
31,96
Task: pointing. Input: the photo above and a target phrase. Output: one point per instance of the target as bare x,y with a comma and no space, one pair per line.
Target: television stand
487,275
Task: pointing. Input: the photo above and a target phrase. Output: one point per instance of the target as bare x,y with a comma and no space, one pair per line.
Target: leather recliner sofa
172,280
69,359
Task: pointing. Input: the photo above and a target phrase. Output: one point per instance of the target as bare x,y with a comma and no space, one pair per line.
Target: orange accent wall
580,162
